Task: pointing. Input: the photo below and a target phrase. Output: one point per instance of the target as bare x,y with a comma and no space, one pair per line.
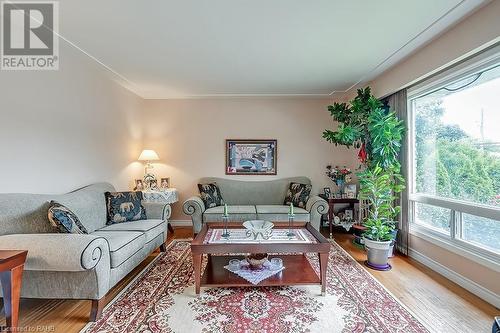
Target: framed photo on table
328,192
350,191
139,185
251,157
165,183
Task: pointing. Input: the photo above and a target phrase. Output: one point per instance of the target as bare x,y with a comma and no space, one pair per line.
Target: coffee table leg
323,264
197,272
11,288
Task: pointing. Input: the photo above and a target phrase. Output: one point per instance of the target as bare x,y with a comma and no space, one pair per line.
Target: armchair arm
194,207
157,210
58,252
317,207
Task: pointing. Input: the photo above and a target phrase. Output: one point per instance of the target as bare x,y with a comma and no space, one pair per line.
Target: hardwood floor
439,303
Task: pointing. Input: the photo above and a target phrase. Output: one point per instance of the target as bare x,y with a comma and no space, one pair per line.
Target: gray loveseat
249,200
77,266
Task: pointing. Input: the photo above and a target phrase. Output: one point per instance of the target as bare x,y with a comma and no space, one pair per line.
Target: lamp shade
148,155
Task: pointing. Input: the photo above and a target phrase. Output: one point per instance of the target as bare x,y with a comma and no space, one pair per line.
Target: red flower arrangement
338,175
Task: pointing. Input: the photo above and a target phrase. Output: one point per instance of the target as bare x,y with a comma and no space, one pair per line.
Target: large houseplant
377,132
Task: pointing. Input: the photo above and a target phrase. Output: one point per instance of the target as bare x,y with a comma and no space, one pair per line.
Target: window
454,136
437,218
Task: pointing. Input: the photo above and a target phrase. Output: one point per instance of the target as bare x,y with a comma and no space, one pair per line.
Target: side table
167,196
331,203
11,273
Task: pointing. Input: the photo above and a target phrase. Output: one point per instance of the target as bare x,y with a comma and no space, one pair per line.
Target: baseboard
478,290
181,223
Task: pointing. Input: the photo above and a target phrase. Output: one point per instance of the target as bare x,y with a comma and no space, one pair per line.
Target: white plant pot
378,253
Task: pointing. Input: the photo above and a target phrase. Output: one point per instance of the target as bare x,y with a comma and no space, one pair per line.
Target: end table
331,203
11,272
166,196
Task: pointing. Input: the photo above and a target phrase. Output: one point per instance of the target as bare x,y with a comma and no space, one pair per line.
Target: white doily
255,276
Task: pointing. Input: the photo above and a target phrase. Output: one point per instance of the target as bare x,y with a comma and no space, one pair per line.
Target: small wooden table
331,203
11,272
298,270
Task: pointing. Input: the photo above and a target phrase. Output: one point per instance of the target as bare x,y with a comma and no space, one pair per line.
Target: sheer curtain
398,102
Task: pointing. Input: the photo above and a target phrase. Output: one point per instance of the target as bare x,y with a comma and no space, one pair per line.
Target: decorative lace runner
167,196
255,276
301,236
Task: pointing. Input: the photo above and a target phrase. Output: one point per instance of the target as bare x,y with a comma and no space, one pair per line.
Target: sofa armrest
157,210
58,252
317,207
194,207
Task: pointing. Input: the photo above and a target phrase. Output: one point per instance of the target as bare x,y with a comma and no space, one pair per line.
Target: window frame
451,241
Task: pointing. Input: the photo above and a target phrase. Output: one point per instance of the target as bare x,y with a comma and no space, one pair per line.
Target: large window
455,157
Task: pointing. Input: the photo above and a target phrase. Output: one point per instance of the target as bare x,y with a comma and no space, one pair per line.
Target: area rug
162,299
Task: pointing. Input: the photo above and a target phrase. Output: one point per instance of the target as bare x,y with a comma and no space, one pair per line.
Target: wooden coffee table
298,270
11,272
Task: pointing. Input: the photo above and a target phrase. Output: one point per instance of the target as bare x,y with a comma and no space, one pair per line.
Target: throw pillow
124,207
298,194
210,194
64,219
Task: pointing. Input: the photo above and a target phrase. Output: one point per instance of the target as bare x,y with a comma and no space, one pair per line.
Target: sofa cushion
62,218
210,194
280,213
236,213
124,206
298,194
122,245
151,228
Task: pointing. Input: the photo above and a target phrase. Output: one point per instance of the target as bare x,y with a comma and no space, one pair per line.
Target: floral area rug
162,299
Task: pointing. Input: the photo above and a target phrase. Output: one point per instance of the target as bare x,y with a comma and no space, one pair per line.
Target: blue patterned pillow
64,219
124,207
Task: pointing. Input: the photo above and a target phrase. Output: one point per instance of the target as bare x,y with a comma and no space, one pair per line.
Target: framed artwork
251,157
348,214
327,191
165,183
139,185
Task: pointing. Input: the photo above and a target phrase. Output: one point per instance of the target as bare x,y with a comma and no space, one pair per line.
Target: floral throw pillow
124,207
210,194
64,219
298,194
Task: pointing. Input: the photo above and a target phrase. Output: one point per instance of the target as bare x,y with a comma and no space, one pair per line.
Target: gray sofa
248,200
78,266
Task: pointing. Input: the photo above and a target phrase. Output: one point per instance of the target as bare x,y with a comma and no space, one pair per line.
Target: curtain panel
398,102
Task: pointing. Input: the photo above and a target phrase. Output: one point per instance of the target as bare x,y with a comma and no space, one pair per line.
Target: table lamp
148,155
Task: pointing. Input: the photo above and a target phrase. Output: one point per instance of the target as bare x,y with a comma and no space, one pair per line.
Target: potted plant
377,132
379,188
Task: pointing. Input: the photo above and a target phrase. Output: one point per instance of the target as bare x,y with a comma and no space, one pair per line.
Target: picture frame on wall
251,157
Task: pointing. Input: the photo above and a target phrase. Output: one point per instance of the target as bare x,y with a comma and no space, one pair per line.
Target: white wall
60,130
189,136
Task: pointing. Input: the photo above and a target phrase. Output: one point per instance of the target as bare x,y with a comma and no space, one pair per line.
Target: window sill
483,257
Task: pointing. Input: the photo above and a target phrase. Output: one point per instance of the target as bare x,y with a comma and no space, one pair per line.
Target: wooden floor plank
436,301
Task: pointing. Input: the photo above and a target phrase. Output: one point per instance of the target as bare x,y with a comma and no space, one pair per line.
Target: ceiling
189,49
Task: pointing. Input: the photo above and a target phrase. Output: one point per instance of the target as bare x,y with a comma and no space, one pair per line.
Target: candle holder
290,233
225,230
